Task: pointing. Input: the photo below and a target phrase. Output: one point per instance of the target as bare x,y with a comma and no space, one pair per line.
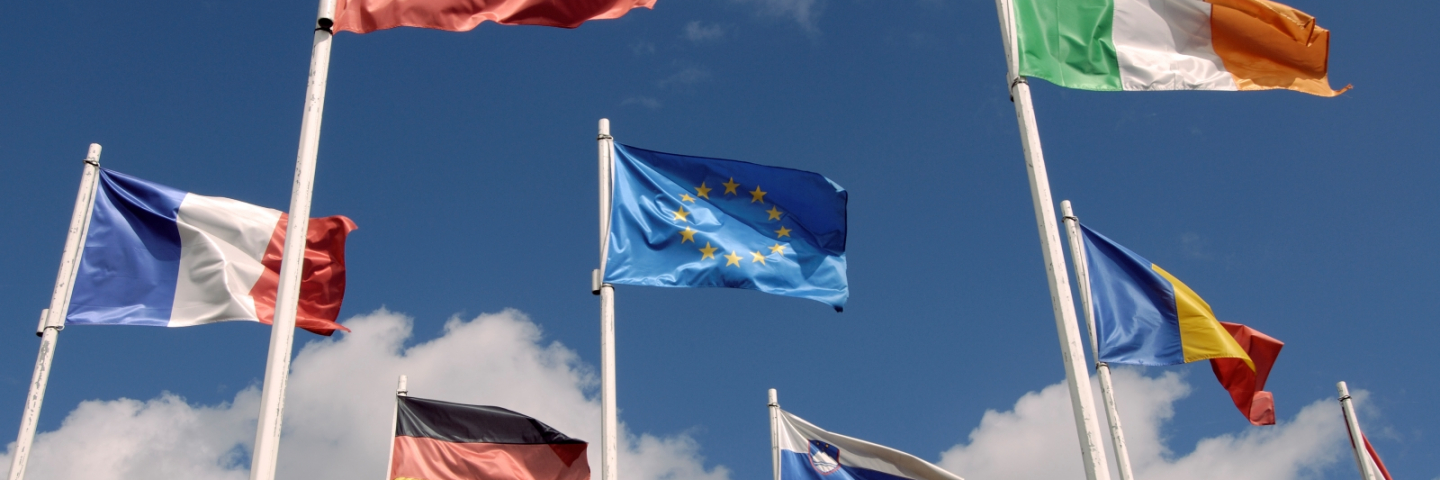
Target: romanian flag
437,440
365,16
1145,316
1173,45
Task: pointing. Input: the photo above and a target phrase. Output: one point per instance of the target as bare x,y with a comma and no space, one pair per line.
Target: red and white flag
364,16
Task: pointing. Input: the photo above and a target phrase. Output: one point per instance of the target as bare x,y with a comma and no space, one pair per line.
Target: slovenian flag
1173,45
808,452
155,255
437,440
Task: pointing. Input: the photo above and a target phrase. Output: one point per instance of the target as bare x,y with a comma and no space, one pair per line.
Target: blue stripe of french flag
808,452
155,255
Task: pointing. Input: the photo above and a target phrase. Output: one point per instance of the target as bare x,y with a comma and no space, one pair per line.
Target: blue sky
468,161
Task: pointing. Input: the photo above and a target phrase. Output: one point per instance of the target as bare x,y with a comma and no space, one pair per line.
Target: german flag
437,440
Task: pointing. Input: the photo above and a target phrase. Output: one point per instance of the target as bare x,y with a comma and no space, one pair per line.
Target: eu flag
682,221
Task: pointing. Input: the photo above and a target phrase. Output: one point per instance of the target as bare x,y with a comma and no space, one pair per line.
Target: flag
1246,386
1145,316
1375,458
1173,45
364,16
437,440
809,453
681,221
154,255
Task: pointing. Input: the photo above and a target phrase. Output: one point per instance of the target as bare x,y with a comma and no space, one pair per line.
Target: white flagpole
52,320
401,390
1076,374
1357,439
1107,389
775,434
609,419
282,333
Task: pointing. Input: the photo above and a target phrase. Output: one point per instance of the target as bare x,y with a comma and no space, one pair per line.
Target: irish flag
1173,45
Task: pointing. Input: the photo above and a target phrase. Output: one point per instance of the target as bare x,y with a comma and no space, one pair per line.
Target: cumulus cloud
1036,439
802,11
698,31
338,412
338,409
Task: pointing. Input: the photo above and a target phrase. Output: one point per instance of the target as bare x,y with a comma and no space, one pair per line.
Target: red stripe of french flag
322,284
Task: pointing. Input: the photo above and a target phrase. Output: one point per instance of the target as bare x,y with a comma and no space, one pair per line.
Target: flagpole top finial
774,398
93,156
402,389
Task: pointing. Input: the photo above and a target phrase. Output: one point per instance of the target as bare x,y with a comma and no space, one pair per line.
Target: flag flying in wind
1145,316
1173,45
155,255
808,452
1374,458
681,221
1246,386
437,440
364,16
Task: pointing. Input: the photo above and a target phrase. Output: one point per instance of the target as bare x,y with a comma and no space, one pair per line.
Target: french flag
808,452
155,255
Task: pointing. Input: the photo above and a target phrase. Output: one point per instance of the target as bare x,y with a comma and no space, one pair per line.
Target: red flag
1245,385
1379,465
364,16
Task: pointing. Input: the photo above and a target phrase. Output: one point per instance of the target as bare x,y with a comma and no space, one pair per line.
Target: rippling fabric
363,16
1136,45
682,221
1144,315
155,255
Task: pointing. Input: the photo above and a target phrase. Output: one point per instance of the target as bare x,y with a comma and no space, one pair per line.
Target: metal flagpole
609,420
52,320
401,390
1357,439
1076,374
775,434
282,333
1107,390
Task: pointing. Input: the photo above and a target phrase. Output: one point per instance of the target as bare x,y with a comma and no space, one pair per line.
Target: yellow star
774,212
687,234
681,214
757,257
782,232
757,195
730,186
732,259
702,190
707,252
685,197
778,248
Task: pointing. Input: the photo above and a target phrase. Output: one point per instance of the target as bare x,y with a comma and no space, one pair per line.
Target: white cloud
802,11
1037,439
698,31
338,409
644,101
338,414
685,77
